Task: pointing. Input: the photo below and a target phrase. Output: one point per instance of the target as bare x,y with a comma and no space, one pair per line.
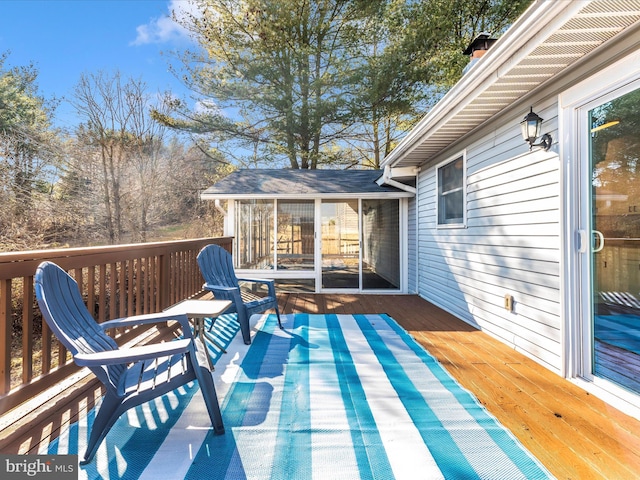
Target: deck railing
115,281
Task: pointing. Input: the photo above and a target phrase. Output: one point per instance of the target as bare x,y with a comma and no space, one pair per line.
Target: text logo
58,467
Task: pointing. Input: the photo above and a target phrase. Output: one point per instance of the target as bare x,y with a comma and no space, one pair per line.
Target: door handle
599,244
581,241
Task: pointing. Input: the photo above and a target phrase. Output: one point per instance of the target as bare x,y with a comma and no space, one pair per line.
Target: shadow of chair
131,376
216,266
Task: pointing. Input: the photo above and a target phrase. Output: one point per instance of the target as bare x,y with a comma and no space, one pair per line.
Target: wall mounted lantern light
531,126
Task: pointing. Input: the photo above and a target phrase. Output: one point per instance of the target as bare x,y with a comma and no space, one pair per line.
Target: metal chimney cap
481,42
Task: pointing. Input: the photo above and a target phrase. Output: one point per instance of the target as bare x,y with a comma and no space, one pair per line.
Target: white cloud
207,106
164,29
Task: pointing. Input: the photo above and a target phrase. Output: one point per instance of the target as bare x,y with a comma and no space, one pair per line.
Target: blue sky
65,38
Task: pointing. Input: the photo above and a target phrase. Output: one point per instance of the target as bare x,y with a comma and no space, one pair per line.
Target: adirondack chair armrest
256,280
231,293
149,318
267,281
133,354
211,286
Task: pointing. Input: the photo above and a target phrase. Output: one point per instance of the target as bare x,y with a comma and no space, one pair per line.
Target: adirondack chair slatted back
67,316
216,265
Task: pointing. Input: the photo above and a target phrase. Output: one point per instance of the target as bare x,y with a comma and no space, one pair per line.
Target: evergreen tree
307,84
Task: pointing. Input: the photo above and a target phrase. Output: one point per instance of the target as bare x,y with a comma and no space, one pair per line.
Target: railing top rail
23,264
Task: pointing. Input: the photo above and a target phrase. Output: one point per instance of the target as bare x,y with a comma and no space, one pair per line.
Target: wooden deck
575,435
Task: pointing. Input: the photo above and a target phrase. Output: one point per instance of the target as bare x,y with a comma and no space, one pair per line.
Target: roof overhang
293,196
549,37
269,184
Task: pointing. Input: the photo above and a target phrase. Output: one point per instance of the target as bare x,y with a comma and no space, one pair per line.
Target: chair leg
105,418
208,389
243,319
278,315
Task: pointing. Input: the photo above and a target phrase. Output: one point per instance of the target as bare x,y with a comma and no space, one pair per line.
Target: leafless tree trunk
116,124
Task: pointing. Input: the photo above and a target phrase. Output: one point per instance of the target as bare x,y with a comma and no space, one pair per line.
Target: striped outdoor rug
330,397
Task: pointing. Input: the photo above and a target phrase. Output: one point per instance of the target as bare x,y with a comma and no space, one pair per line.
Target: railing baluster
46,349
138,286
147,285
113,290
122,289
91,290
27,330
102,293
130,288
5,335
154,284
164,280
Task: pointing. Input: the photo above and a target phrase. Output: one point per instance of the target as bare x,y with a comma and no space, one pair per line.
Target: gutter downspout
387,179
225,216
219,207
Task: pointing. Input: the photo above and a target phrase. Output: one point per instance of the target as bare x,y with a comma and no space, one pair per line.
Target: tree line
279,83
323,83
116,178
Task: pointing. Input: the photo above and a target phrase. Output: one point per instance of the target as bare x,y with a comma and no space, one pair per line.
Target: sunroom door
611,193
380,245
340,238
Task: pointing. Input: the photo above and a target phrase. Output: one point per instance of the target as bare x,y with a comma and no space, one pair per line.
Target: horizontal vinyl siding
411,247
511,245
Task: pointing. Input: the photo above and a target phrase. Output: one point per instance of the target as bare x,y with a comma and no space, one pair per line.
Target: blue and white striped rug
330,397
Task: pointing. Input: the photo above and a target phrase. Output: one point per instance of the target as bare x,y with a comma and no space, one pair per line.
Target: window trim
453,158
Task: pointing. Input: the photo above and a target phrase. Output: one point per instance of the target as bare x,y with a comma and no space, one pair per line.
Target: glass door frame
319,246
402,247
587,228
577,244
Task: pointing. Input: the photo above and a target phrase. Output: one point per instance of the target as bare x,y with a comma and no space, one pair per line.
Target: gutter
227,223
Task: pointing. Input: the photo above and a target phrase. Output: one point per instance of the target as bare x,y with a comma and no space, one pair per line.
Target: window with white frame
451,192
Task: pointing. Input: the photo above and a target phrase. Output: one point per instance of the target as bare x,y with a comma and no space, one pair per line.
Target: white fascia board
539,21
295,196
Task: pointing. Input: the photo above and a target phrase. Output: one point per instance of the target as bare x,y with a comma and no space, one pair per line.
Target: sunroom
317,230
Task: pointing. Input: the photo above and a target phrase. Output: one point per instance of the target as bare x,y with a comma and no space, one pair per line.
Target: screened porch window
295,240
254,240
451,192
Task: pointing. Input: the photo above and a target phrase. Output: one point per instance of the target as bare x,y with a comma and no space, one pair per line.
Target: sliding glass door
361,244
613,198
295,241
340,236
380,244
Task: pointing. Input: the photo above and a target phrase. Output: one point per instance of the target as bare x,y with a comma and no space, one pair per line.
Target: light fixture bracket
545,142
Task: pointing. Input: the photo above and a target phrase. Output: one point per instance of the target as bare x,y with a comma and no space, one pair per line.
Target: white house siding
511,244
412,285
